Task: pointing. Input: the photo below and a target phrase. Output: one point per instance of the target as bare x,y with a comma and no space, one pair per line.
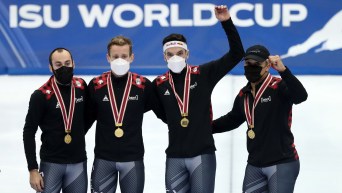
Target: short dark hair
58,50
174,37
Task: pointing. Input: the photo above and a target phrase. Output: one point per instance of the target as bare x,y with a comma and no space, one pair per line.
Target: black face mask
64,74
252,73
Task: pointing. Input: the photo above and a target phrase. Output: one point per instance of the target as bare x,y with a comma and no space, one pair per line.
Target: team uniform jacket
196,139
273,143
130,147
44,111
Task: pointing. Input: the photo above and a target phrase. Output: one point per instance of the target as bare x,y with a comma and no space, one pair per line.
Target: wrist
282,70
34,171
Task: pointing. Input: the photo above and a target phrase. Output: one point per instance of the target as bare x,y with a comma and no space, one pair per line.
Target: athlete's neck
68,84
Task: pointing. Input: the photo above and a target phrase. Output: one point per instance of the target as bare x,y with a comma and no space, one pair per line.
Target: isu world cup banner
306,34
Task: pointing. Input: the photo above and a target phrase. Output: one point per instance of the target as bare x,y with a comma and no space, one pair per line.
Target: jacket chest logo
133,98
167,92
105,98
265,100
78,100
193,86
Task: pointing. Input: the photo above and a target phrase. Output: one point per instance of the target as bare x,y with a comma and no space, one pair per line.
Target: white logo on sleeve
105,98
57,105
78,84
194,69
167,92
138,81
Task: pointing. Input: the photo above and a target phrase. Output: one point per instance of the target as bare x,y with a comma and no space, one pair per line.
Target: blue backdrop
307,34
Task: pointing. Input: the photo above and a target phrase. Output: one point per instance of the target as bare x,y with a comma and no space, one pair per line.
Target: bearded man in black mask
265,103
58,107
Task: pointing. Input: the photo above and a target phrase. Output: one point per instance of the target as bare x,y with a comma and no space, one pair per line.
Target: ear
132,57
187,54
108,58
164,55
73,64
50,68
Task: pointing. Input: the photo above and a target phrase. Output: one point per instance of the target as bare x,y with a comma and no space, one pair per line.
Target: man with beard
58,107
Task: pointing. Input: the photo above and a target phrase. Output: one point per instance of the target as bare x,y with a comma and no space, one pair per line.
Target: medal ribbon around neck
183,104
119,115
66,118
249,116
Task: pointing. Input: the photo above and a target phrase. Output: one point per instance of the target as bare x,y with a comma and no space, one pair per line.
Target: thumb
42,183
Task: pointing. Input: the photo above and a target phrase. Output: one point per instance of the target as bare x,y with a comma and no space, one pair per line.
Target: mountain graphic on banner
329,38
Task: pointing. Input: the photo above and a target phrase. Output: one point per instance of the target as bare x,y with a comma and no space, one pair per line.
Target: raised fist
222,13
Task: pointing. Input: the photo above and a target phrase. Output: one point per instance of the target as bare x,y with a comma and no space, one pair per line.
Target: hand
222,13
276,63
36,181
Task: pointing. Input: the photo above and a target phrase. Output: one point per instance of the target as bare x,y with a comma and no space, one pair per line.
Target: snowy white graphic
329,38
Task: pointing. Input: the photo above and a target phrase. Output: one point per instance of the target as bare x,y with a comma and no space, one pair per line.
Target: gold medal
67,138
119,115
251,134
250,113
118,132
183,104
184,122
67,118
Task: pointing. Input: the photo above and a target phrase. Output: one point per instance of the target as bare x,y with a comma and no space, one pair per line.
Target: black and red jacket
44,111
274,141
196,139
130,147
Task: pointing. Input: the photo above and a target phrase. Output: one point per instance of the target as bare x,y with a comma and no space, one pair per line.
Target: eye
124,56
253,64
58,64
180,53
169,55
68,63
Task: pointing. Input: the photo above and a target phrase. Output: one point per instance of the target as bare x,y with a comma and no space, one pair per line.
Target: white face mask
176,64
120,66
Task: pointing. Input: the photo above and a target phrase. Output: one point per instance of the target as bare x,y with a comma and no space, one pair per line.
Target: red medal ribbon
249,116
119,115
67,118
183,104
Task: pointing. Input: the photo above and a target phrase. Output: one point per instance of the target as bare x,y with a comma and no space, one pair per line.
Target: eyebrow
60,62
114,55
179,52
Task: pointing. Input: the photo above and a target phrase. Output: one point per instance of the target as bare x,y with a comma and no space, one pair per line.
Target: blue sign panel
307,34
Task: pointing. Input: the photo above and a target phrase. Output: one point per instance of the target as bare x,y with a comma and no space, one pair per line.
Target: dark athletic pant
279,178
105,173
191,175
70,178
